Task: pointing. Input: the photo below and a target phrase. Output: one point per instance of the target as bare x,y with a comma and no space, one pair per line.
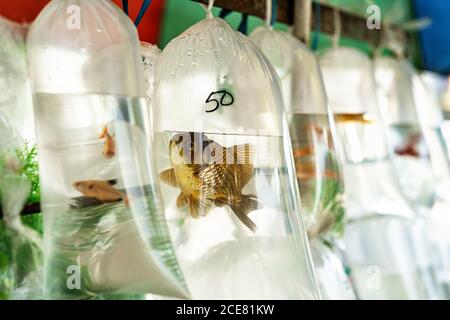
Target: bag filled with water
313,143
414,120
105,231
227,175
385,245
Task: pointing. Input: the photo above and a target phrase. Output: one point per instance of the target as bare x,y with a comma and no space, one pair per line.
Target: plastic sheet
105,231
379,217
224,157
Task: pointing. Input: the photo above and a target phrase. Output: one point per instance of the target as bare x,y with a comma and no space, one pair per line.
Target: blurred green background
181,14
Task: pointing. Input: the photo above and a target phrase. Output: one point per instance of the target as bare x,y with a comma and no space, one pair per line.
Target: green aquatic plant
27,156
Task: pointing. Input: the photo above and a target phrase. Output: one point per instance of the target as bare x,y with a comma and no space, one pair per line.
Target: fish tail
104,133
243,208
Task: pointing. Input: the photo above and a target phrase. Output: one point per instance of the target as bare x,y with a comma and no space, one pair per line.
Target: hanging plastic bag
16,100
414,120
105,231
20,246
384,240
150,55
412,157
313,143
225,163
312,134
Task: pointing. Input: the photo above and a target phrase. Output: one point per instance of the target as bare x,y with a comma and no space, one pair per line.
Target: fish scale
214,181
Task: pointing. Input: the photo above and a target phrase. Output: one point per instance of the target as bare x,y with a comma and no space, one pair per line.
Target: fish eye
191,145
91,186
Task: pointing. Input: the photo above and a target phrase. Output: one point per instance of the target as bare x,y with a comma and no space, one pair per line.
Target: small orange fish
349,117
304,152
109,148
410,149
101,190
311,174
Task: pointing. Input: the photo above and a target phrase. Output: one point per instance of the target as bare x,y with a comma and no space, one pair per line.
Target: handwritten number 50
226,99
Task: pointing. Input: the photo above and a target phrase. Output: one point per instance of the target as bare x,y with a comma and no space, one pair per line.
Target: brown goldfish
410,149
109,147
349,117
208,174
101,190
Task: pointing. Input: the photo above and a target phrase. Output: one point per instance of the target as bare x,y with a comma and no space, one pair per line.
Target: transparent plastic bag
333,281
380,220
150,55
313,143
16,101
411,153
312,129
20,246
225,162
105,231
415,120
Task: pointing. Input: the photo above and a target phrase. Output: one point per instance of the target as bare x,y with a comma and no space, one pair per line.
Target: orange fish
304,152
410,149
101,190
109,148
349,117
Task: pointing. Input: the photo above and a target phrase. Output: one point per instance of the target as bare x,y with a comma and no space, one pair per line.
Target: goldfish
357,117
109,147
209,174
410,149
101,190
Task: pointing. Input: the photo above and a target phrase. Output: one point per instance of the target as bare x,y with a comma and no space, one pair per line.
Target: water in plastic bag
105,231
312,136
226,170
412,157
414,118
313,143
384,240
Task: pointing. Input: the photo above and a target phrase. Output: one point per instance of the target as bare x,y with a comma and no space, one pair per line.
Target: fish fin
194,207
233,184
168,176
126,200
182,200
112,182
243,154
104,132
243,208
246,173
243,159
